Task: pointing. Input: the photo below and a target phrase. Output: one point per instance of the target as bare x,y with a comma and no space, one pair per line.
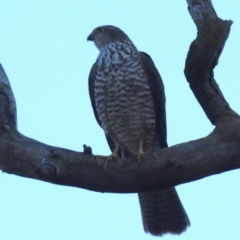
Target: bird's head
104,35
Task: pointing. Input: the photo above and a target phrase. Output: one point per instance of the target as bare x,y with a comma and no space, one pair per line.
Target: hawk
128,100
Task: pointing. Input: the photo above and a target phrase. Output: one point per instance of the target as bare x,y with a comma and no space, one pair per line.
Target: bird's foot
110,157
138,154
114,155
140,150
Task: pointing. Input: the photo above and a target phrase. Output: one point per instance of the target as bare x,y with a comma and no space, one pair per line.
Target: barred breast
123,98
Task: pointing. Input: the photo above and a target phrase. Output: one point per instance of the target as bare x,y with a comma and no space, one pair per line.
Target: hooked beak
90,37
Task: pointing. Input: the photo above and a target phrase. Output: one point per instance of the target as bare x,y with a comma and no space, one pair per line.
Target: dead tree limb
203,56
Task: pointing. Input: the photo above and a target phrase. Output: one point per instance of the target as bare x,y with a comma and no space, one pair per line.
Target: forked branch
182,163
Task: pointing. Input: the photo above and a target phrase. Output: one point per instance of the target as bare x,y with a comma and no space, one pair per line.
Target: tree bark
203,56
216,153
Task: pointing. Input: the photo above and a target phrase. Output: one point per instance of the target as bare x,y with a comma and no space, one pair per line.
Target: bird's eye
101,30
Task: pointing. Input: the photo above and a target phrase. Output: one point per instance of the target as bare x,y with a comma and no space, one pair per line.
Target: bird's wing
157,89
91,80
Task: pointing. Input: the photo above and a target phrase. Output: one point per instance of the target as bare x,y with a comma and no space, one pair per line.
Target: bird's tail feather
163,212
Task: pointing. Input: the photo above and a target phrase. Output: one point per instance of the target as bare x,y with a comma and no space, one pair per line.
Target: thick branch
8,113
182,163
203,56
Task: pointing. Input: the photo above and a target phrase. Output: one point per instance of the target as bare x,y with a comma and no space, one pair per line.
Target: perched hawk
128,101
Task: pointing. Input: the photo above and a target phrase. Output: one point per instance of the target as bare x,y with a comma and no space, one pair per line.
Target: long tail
163,212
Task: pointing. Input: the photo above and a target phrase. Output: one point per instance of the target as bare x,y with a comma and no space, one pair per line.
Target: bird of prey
128,100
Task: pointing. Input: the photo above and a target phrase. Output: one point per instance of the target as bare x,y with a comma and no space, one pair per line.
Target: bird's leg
113,155
140,150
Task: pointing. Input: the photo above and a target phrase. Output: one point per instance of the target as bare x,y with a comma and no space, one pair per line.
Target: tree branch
8,112
203,56
182,163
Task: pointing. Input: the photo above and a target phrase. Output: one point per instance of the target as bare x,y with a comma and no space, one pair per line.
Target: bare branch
214,154
203,56
8,113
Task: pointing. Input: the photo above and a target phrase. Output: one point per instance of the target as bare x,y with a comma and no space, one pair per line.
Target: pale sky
45,53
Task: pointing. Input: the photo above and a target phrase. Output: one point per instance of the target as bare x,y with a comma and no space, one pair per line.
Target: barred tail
163,212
